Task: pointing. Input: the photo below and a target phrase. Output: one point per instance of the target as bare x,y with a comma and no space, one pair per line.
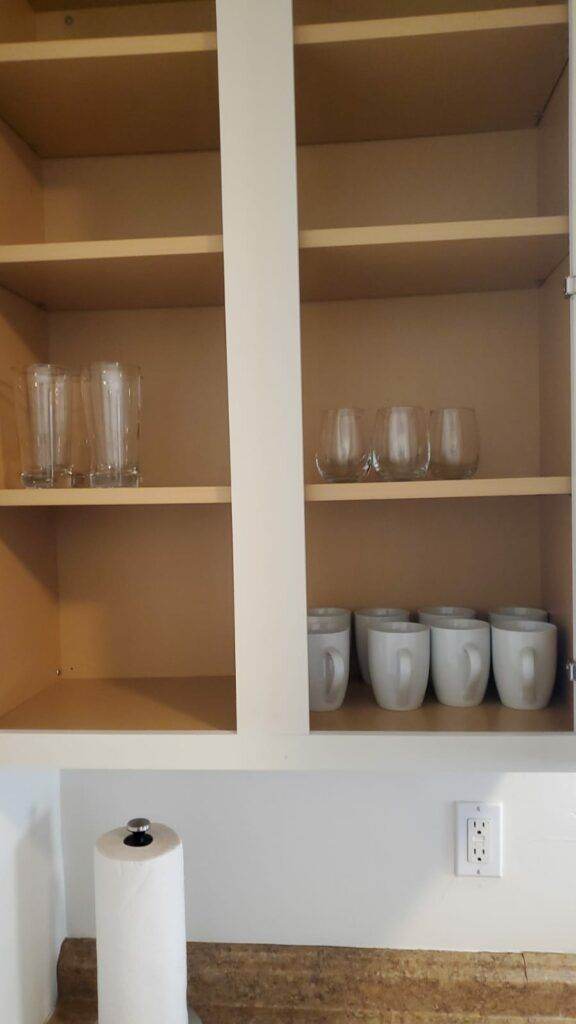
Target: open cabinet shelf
394,78
117,274
361,714
414,490
420,490
129,705
429,259
341,263
88,97
427,210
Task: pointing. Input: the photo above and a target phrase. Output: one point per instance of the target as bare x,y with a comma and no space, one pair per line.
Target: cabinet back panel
132,196
97,20
17,22
462,177
407,181
479,553
182,353
146,593
311,11
480,350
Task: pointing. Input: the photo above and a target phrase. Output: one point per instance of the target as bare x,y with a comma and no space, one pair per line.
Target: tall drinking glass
80,458
401,447
112,395
43,399
343,455
455,444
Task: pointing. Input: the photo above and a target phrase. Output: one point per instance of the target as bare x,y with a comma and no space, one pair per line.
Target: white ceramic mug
524,656
321,620
328,668
399,663
460,661
498,616
363,619
444,611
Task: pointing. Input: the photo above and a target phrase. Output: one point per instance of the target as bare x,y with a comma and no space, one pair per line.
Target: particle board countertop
250,984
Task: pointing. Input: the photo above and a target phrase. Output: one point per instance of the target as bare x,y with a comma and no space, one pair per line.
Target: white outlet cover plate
494,866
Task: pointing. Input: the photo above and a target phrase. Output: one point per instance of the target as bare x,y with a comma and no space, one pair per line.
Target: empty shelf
429,259
432,75
194,704
124,274
89,97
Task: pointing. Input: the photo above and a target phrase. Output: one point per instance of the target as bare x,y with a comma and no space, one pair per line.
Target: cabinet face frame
259,205
255,37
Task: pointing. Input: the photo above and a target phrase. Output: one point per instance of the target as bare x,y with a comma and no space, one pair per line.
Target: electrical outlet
479,839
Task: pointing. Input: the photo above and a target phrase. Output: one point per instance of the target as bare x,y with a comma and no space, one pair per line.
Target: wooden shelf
374,491
433,75
106,496
195,705
360,713
430,259
389,78
126,274
336,264
89,97
425,489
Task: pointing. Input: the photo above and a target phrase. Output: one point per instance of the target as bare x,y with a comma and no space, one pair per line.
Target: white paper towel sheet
140,929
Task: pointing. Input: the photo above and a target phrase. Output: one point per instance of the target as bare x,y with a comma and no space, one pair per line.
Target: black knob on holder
139,829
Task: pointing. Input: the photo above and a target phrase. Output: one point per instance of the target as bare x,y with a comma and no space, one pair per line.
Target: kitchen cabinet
274,210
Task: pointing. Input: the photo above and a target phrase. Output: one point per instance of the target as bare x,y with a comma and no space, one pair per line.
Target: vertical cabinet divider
260,219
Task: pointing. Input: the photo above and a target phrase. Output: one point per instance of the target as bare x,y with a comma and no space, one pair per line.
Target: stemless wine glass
343,454
401,447
455,443
43,399
112,399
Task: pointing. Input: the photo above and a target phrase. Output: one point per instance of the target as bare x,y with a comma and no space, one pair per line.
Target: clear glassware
43,400
112,398
343,455
401,445
454,443
80,457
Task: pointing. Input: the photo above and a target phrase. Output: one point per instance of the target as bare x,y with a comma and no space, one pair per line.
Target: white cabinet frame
260,216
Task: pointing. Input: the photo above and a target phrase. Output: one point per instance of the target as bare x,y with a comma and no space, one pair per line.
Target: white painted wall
341,859
32,911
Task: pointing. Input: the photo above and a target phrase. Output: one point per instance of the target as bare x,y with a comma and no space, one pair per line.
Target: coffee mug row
397,656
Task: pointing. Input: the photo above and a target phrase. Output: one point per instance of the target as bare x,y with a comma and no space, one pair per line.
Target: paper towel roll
140,929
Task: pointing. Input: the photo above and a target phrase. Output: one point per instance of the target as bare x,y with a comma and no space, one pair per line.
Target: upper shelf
391,78
89,97
339,263
119,274
429,259
435,75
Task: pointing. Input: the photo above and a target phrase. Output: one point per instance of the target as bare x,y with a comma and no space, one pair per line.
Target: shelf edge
430,24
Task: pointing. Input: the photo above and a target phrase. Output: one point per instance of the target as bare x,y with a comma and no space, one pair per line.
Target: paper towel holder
139,832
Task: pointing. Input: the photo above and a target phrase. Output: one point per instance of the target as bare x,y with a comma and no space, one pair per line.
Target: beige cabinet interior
120,618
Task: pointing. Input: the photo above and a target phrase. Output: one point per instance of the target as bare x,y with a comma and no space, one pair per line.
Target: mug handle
335,674
474,671
528,669
404,673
